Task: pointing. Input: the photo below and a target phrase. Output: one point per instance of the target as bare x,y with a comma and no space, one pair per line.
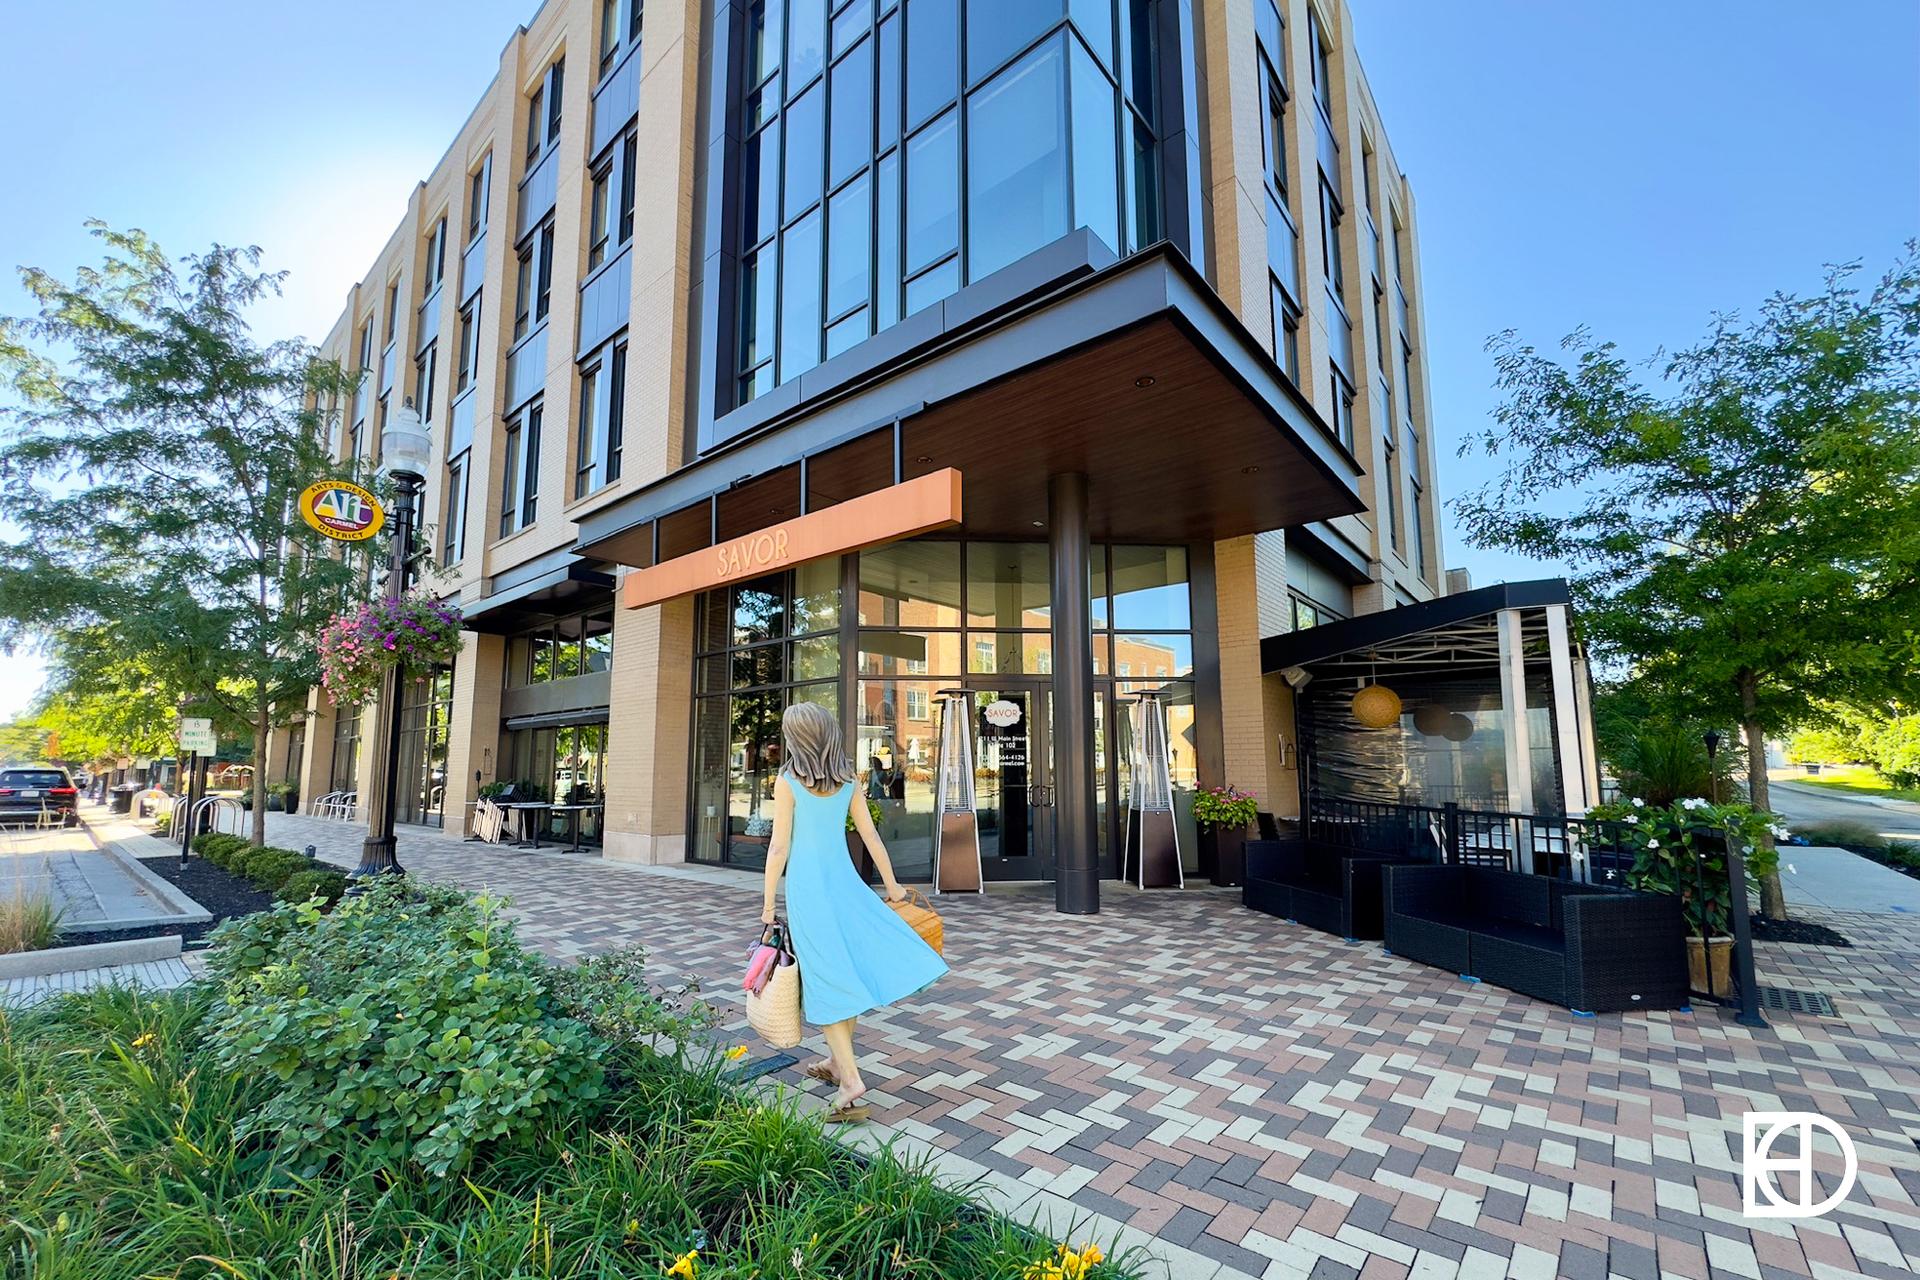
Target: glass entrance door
1013,770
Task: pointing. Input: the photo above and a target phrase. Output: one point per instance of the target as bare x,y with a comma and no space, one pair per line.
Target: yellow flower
142,1040
738,1051
684,1266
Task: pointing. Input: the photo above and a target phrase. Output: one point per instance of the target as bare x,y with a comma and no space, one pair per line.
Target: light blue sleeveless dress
855,952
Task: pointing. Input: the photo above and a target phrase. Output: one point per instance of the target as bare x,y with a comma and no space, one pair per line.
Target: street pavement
1800,802
1252,1098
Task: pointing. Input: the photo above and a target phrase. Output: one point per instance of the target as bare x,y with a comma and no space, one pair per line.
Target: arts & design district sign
341,510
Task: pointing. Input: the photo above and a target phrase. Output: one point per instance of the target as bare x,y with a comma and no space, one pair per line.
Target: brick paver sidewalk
1287,1104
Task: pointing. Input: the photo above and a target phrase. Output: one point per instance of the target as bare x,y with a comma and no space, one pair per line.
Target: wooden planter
1710,965
1223,855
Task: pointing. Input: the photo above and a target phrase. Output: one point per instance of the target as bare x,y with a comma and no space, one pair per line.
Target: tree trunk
1773,902
262,735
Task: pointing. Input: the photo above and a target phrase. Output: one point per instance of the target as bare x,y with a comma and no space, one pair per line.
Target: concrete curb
181,908
95,955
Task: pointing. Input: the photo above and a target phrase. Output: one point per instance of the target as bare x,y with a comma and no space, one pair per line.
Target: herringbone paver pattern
1291,1105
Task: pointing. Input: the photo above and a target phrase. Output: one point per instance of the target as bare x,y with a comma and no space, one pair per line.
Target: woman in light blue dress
855,953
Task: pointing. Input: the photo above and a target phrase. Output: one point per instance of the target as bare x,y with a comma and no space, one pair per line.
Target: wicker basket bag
774,1011
924,920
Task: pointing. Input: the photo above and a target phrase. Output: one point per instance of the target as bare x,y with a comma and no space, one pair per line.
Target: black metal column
377,851
1076,887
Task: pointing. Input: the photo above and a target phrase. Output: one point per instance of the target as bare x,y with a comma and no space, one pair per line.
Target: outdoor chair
1588,947
1334,889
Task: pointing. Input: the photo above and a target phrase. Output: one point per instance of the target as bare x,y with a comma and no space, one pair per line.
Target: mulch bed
1802,932
221,892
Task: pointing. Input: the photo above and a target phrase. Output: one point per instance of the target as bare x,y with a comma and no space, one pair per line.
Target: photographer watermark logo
1760,1192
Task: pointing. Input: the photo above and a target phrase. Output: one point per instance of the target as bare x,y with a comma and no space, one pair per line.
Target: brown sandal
849,1113
823,1074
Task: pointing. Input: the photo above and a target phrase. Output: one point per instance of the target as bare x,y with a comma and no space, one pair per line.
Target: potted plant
283,797
1681,849
856,848
1223,815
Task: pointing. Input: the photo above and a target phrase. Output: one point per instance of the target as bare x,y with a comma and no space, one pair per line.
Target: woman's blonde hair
816,757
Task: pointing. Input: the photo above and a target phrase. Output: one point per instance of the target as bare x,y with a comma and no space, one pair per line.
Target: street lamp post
404,452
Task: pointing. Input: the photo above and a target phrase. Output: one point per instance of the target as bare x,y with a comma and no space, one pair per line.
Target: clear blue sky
1629,164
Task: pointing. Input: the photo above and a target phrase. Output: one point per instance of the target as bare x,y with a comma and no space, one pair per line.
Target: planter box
1223,855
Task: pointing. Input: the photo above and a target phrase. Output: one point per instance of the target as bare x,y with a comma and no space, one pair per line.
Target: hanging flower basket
417,633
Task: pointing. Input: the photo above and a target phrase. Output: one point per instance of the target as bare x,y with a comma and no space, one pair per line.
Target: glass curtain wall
897,149
426,711
760,646
937,615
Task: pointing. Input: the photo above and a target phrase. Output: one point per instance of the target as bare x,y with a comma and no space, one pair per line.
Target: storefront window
344,774
426,712
581,644
566,766
772,642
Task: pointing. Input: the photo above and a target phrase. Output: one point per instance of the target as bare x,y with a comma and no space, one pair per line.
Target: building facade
782,350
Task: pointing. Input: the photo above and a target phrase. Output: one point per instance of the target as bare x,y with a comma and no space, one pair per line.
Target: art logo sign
341,510
1762,1193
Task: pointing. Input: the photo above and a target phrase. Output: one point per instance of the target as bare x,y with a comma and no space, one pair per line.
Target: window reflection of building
426,710
345,772
760,646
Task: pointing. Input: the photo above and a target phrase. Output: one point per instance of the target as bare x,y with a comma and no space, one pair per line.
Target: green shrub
220,849
610,994
1841,832
314,882
163,822
408,1024
269,867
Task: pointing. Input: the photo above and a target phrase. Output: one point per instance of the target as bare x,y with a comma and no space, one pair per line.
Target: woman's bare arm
779,845
863,823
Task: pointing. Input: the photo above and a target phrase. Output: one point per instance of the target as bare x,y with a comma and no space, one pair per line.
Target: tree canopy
1745,530
152,456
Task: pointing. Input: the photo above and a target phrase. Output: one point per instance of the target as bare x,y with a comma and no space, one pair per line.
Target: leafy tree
1745,534
152,460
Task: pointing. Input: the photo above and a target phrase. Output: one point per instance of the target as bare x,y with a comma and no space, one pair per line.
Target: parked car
28,790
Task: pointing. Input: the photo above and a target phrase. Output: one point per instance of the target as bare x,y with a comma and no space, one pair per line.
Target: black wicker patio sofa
1588,947
1323,886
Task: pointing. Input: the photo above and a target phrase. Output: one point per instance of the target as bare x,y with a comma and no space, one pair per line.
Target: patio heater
956,841
1153,838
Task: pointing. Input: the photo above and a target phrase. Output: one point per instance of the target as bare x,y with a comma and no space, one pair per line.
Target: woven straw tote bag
774,1011
924,920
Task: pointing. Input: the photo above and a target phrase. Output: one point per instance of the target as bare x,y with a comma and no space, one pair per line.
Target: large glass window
920,145
1017,160
577,645
760,646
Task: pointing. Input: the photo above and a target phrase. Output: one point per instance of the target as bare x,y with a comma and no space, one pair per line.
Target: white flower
1638,803
1652,843
1633,819
1693,802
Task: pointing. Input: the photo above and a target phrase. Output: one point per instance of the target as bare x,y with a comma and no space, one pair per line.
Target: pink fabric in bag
759,968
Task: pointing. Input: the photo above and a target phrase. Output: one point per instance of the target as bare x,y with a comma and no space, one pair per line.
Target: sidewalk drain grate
1787,1000
758,1067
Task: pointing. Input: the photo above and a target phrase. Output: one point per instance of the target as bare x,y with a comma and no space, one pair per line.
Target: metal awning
537,592
1448,630
1135,374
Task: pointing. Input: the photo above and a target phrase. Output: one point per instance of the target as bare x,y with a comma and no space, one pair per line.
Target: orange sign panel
887,515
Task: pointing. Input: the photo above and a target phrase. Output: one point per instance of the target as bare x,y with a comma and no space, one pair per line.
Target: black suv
26,791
